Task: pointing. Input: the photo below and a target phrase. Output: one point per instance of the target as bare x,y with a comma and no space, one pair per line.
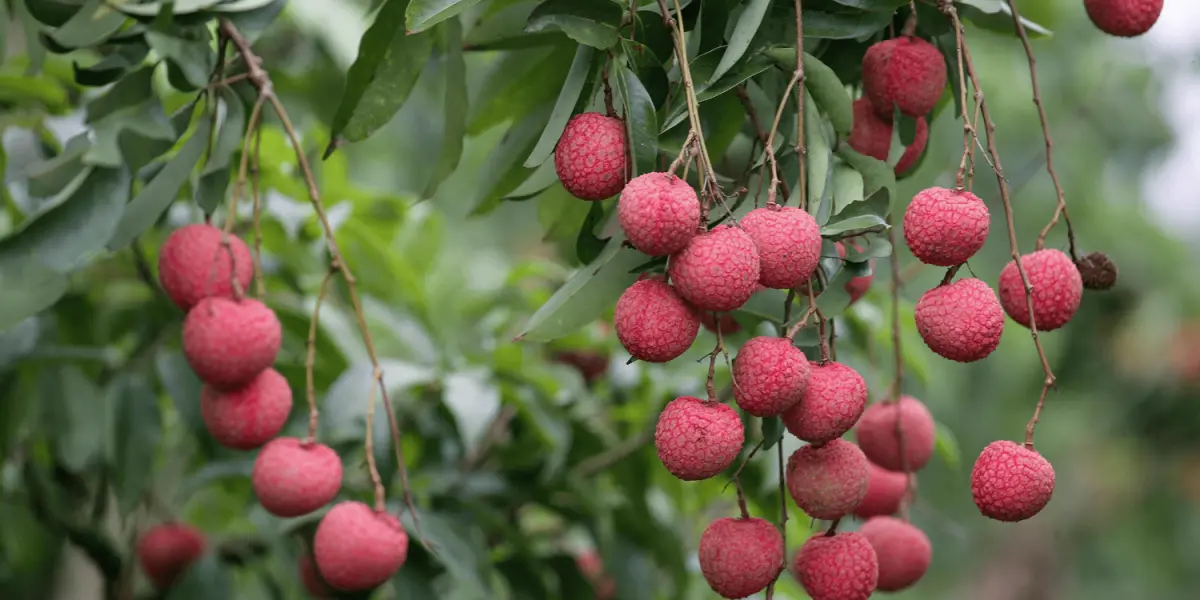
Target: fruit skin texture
1057,289
837,567
1124,18
167,550
903,551
944,227
833,402
876,434
185,265
697,439
590,158
718,270
311,578
771,375
228,342
885,492
1011,482
960,321
659,213
789,244
740,557
872,136
357,548
907,71
828,481
653,322
293,478
248,417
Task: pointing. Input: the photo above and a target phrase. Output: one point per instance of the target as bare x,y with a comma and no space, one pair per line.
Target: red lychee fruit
740,557
591,364
842,566
357,548
659,213
311,578
1011,482
961,321
698,439
293,477
591,159
719,269
729,325
903,551
193,264
167,550
827,481
248,417
789,244
229,342
834,400
945,227
858,286
1124,18
885,492
1057,289
591,565
872,136
876,433
653,322
770,375
907,72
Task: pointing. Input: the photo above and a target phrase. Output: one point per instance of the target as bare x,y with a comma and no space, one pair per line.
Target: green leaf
210,186
455,101
503,171
587,245
139,135
75,405
827,90
877,175
137,429
182,385
568,97
39,90
847,187
946,446
29,288
772,428
456,550
53,13
504,29
94,23
590,22
842,26
51,176
206,579
518,83
111,67
996,15
177,7
889,5
702,68
133,89
423,14
641,121
870,213
192,56
752,15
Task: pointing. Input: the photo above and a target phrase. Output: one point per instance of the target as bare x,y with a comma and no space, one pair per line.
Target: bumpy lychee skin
1057,289
229,342
945,227
193,265
789,244
885,492
1124,18
659,213
248,417
653,322
842,566
740,557
876,433
961,321
827,481
770,375
292,477
834,400
908,72
697,439
718,270
872,136
166,551
1011,482
591,159
311,578
903,550
357,548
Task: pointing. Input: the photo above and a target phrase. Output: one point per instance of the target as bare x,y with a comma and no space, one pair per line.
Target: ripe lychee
961,321
357,548
903,550
1057,289
591,364
789,244
718,270
1124,18
653,322
698,439
1011,482
945,227
827,481
885,492
842,566
167,550
770,375
311,578
907,72
591,158
248,417
834,400
872,136
729,325
193,264
292,477
659,213
740,557
229,342
1097,271
876,433
858,286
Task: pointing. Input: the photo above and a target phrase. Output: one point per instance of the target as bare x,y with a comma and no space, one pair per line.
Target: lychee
834,400
293,477
858,286
907,72
842,566
591,364
193,264
1011,482
357,548
229,342
698,439
945,227
1057,289
311,578
740,557
872,136
591,565
877,435
659,213
961,321
903,551
718,270
1124,18
1097,271
166,551
653,322
591,158
248,417
729,325
789,244
827,481
885,492
769,375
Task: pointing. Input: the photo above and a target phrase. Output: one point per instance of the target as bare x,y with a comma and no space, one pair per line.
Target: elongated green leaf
869,213
946,445
423,14
503,171
454,87
842,26
587,245
137,429
94,23
590,22
214,179
206,579
873,4
752,16
29,288
568,97
52,175
827,90
877,175
191,56
182,385
518,83
996,15
455,551
134,88
819,159
78,405
641,121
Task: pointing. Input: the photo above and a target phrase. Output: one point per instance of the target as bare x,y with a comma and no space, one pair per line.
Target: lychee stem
741,498
950,273
311,359
260,287
910,25
832,531
369,444
608,93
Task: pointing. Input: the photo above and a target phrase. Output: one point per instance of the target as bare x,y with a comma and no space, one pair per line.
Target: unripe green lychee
718,271
789,244
960,321
876,433
1124,18
230,342
292,477
698,439
193,264
842,566
945,227
166,551
1057,289
903,551
827,481
653,322
1011,482
659,213
740,557
591,158
357,548
832,403
907,72
770,375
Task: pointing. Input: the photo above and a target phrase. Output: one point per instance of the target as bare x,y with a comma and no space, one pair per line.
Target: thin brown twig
745,461
798,77
759,132
769,145
741,498
260,287
369,445
708,178
310,360
812,303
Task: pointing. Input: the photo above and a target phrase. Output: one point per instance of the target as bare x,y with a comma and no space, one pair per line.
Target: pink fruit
945,227
193,264
885,492
837,567
653,322
1057,289
718,271
907,72
166,551
740,557
789,244
828,481
1011,482
857,287
904,552
357,548
770,375
872,136
878,438
248,417
1124,18
293,478
961,321
833,402
698,439
659,213
591,157
230,342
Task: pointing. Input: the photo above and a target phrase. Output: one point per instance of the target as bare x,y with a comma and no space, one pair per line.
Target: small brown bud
1098,271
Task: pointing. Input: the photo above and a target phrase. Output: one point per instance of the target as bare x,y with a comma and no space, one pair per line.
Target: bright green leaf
423,14
752,16
641,122
503,171
946,446
137,429
568,97
590,22
456,105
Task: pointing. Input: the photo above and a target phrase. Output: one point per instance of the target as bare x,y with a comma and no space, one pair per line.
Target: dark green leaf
587,245
145,136
214,179
889,5
751,17
75,405
206,579
53,13
568,97
133,89
503,171
111,67
455,550
590,22
877,175
504,29
29,288
33,29
714,21
827,90
641,121
946,446
772,429
518,83
178,7
870,213
996,15
137,429
192,55
423,14
840,26
182,385
94,23
52,175
702,69
252,23
455,101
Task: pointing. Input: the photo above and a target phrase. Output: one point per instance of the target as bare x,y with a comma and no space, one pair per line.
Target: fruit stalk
311,359
260,288
801,145
898,380
709,176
